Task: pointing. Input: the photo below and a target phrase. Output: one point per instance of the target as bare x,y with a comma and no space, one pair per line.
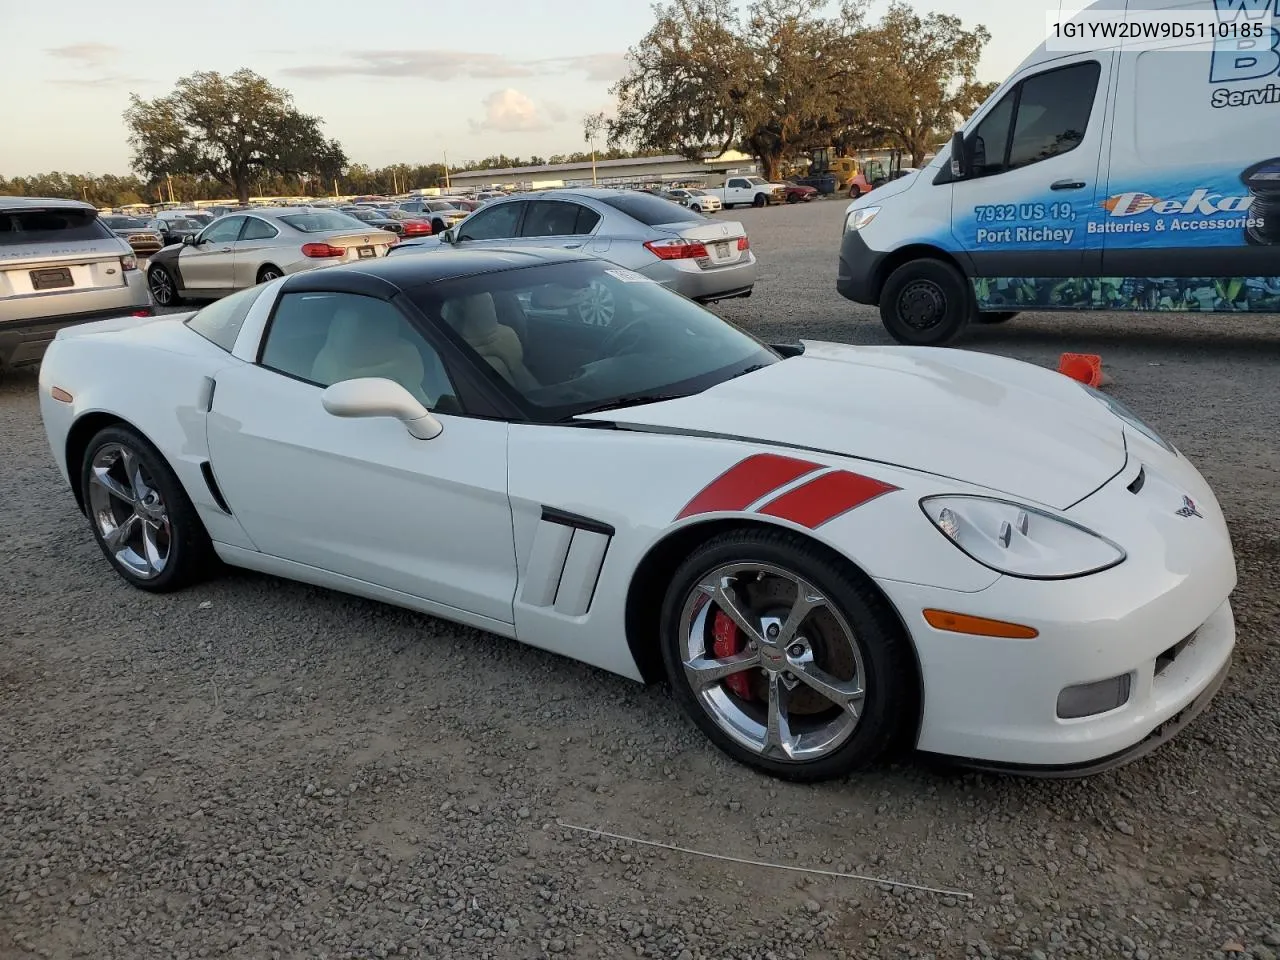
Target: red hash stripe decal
824,498
742,485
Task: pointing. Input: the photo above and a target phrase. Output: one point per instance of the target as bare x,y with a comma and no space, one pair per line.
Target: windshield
320,222
571,337
182,223
125,223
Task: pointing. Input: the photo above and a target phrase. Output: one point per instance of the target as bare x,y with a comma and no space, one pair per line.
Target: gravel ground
260,769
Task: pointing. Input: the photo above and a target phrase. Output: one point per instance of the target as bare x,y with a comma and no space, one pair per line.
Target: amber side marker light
978,626
59,394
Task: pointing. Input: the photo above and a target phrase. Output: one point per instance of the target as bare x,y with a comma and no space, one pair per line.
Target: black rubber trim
1152,741
206,471
1238,261
578,522
71,319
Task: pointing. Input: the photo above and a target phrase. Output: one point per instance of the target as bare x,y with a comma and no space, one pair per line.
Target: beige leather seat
476,319
370,344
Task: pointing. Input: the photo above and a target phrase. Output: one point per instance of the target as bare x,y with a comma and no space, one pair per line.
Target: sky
395,81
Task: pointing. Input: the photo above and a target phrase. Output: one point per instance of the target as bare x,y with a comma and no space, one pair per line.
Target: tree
703,81
593,126
237,130
926,70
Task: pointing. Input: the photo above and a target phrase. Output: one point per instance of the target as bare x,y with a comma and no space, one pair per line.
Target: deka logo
1201,201
1236,61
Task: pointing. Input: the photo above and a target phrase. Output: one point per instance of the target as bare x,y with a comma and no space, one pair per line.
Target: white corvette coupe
828,550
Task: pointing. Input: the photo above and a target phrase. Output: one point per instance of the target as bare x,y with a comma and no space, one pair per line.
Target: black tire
760,201
695,208
163,286
437,227
889,710
792,198
189,556
926,303
1002,317
855,192
269,272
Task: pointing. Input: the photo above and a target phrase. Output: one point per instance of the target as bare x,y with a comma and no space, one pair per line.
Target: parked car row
704,259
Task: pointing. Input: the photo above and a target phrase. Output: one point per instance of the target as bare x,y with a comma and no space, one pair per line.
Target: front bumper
860,275
1162,618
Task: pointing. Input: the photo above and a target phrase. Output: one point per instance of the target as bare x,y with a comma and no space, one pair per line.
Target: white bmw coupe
829,551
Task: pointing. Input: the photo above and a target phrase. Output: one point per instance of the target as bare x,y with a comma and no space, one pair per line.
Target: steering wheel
626,338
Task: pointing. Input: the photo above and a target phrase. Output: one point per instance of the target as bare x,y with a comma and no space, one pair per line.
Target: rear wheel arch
269,268
649,582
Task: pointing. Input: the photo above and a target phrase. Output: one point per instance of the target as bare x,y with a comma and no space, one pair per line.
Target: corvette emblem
1189,509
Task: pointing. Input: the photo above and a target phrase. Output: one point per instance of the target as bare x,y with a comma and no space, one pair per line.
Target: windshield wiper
632,401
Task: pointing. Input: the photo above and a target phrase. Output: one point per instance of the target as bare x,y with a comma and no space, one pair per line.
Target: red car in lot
799,194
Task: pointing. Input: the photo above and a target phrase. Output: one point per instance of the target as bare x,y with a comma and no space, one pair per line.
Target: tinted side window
587,220
495,223
256,229
552,218
223,231
325,338
989,142
220,322
1053,113
1044,116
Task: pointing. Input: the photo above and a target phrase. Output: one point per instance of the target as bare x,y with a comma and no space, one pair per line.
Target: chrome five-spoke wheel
772,661
141,515
129,511
787,656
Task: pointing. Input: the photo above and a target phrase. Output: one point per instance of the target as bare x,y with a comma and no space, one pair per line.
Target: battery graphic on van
1263,181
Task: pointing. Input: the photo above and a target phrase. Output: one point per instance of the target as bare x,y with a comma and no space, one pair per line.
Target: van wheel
1000,317
926,303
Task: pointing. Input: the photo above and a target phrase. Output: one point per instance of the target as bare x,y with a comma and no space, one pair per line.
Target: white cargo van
1123,178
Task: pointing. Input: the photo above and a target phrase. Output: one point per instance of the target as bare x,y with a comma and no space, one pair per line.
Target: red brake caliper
728,641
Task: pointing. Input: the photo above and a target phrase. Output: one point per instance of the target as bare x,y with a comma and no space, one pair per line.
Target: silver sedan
242,249
705,259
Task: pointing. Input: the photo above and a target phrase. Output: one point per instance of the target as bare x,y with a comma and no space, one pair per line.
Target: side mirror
959,160
379,397
450,236
188,240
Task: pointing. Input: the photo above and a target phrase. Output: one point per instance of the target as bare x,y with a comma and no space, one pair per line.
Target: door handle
572,246
1068,185
225,250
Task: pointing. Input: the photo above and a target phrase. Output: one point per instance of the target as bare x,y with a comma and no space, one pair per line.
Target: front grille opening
1139,481
1165,660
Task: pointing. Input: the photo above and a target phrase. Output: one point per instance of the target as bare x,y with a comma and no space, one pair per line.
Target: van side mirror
959,159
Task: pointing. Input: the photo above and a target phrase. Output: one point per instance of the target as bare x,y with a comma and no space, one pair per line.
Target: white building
633,171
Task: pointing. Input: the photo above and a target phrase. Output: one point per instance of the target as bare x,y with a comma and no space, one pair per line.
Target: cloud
90,65
457,65
510,111
86,54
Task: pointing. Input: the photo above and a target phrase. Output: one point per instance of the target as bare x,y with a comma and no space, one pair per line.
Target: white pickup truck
750,191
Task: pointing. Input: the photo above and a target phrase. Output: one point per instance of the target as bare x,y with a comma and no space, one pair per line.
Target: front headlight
1018,540
857,219
1129,417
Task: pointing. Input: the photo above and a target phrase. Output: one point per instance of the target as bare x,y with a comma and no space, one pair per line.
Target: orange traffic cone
1085,367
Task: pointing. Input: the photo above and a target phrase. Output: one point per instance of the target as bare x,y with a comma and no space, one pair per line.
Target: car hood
997,423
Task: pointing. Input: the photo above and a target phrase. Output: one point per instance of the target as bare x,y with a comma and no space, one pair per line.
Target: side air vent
206,471
1139,481
565,562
